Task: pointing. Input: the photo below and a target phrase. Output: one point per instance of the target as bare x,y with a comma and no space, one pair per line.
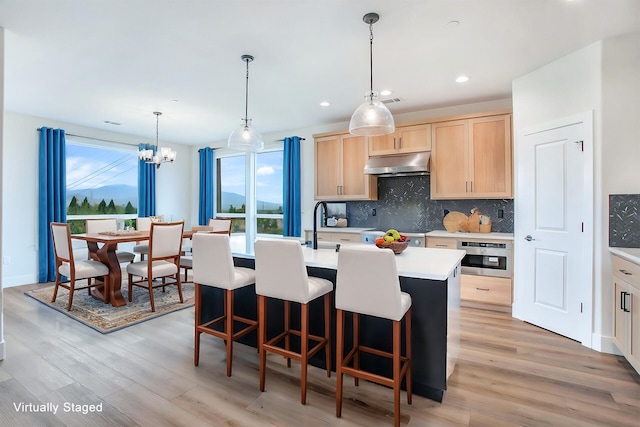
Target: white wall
2,346
19,196
602,77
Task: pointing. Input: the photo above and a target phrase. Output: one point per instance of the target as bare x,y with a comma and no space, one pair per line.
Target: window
101,181
258,174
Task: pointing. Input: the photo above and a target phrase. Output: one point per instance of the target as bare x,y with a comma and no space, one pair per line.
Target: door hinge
580,307
581,145
582,227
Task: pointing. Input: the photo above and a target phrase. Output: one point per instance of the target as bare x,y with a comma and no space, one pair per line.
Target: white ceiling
90,61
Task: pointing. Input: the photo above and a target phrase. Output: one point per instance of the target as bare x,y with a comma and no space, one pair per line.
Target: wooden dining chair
142,248
221,225
165,241
108,225
67,266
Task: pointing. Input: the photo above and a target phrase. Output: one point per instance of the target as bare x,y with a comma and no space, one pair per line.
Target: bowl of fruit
392,240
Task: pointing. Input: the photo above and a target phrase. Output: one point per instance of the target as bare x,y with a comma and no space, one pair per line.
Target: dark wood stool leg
408,354
396,372
339,355
356,345
196,340
262,336
229,327
327,332
304,350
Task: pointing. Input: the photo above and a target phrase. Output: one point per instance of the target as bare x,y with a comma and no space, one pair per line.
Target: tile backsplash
624,220
404,203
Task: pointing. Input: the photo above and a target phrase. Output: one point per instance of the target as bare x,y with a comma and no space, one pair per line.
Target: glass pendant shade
372,118
245,138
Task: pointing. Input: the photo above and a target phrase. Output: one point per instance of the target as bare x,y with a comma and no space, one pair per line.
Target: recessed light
109,122
325,103
385,93
453,24
462,79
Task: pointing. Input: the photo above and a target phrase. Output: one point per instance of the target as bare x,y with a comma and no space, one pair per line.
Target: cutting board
453,220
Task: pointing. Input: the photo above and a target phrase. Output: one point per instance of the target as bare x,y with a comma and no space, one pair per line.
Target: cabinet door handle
625,272
441,246
483,289
466,186
472,186
394,143
622,301
626,305
400,143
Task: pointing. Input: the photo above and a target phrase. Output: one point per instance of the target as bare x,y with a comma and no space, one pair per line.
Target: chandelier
245,137
157,155
372,117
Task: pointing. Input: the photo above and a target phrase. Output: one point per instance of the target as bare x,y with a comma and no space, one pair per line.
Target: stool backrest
367,282
212,260
280,270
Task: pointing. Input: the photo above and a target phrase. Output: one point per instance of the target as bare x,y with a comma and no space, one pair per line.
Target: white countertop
342,229
630,254
458,235
421,263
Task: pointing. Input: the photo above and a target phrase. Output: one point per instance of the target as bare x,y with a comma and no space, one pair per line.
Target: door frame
588,250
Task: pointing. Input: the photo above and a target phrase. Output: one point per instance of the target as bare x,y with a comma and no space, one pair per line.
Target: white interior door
553,239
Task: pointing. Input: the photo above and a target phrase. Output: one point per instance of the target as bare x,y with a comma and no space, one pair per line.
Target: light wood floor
508,373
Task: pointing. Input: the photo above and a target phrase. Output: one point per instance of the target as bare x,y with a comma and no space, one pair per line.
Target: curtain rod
282,140
96,139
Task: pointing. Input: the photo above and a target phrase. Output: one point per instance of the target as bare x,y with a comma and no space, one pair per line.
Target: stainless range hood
399,165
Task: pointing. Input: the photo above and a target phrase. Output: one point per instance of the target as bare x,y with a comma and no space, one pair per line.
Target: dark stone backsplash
624,220
404,203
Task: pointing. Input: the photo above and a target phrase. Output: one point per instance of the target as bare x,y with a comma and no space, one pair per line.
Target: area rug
105,318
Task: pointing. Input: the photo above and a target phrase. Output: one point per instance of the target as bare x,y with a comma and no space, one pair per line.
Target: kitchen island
430,276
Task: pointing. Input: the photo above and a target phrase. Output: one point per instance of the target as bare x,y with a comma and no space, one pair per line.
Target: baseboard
486,306
604,344
27,279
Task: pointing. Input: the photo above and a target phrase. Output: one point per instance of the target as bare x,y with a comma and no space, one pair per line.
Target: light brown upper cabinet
339,168
406,139
471,159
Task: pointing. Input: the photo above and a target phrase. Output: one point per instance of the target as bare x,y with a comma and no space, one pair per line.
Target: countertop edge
630,254
461,235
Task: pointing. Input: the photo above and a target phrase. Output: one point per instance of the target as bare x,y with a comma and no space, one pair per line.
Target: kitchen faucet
315,222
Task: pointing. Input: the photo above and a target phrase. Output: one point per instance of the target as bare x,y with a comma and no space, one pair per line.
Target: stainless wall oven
486,258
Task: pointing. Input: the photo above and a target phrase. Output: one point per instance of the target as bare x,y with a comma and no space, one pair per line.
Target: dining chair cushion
84,269
213,263
281,272
367,282
158,269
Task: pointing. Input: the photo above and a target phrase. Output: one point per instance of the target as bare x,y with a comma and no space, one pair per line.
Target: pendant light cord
246,97
157,113
371,60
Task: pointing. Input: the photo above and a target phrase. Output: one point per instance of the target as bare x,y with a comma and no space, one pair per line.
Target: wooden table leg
109,292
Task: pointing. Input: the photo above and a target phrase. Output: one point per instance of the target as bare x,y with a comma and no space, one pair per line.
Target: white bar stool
367,283
213,266
281,273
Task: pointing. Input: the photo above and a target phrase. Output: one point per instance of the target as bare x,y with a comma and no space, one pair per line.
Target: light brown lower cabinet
626,297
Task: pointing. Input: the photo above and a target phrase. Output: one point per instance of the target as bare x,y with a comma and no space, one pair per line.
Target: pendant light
372,117
160,154
245,137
